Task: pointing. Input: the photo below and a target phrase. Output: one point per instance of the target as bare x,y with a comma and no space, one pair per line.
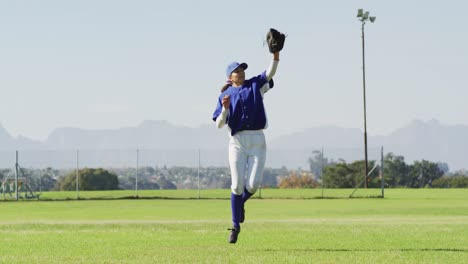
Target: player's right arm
221,119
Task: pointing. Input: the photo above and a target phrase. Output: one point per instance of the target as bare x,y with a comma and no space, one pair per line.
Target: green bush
89,180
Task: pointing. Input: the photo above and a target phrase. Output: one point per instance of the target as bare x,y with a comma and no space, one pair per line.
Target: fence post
382,182
198,175
16,177
321,171
77,174
136,176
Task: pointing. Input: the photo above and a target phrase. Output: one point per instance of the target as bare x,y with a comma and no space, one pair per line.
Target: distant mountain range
164,143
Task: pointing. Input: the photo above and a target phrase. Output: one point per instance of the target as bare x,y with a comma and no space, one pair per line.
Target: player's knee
252,189
237,190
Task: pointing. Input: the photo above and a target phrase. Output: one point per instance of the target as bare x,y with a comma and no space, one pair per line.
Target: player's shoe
234,233
242,216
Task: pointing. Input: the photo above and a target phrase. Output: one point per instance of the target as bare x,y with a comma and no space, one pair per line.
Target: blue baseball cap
233,66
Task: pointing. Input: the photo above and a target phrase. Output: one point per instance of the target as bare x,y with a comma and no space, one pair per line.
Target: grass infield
284,226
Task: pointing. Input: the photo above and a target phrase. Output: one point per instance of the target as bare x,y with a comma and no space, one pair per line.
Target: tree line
322,172
148,178
396,174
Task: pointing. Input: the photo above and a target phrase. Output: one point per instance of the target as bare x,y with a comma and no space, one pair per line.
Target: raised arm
273,66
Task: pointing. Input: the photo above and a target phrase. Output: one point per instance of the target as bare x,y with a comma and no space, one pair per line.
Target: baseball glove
275,40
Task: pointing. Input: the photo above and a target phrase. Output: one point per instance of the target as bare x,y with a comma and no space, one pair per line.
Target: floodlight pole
363,17
364,96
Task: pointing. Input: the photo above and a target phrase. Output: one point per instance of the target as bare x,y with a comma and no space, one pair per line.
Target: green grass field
285,226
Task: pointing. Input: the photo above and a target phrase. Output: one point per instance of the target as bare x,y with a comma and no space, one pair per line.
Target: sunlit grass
285,226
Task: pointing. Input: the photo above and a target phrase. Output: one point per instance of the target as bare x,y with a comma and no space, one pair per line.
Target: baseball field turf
283,226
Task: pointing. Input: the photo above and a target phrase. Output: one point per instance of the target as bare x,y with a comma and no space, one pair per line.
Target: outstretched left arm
273,66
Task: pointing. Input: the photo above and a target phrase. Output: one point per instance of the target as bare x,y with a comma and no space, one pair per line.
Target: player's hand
226,101
276,56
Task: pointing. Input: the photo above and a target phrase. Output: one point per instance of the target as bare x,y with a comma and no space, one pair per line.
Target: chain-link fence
145,173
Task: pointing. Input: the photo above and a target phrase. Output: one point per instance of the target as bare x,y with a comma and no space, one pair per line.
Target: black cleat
234,233
242,216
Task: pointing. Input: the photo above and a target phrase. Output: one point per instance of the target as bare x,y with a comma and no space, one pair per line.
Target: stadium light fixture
359,13
365,16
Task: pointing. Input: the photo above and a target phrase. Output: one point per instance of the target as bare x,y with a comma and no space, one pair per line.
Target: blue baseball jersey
246,110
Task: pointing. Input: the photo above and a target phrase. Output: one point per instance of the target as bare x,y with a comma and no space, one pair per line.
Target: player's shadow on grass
376,250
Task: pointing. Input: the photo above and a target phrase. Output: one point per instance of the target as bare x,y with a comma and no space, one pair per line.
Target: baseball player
240,107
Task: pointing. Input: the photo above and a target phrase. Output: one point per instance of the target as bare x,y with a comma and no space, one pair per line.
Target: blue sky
109,64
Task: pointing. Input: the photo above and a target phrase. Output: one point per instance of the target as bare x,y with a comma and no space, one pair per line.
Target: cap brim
230,69
243,66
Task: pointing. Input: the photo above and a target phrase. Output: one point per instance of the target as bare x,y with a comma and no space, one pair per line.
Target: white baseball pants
247,155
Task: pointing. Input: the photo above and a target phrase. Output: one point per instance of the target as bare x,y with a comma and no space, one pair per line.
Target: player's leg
255,166
237,164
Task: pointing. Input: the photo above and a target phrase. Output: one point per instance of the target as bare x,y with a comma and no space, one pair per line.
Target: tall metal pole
364,94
